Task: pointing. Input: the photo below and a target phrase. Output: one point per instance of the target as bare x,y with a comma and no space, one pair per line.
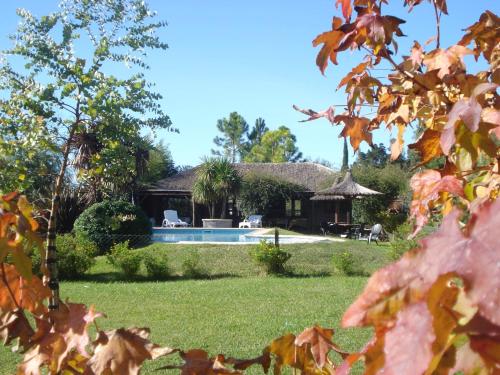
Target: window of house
297,208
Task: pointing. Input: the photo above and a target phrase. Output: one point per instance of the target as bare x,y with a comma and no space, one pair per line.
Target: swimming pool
229,235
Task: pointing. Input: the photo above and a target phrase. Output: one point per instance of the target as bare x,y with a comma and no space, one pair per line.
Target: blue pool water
201,235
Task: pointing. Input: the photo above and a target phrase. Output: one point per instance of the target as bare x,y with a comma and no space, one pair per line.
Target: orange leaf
29,295
330,41
357,129
13,325
446,61
346,8
320,343
428,146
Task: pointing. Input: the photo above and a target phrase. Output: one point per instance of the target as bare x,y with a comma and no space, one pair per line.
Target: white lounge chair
374,235
171,220
253,221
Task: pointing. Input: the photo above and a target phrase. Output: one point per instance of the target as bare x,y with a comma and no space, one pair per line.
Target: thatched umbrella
346,190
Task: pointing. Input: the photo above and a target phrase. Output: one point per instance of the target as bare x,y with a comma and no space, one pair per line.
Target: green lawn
233,310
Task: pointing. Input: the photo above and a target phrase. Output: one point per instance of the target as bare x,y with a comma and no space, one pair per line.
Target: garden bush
270,257
157,266
75,255
127,260
109,222
345,263
191,266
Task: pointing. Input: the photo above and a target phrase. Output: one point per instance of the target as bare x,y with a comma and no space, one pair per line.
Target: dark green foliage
157,266
345,263
191,267
157,164
389,209
75,255
345,157
111,221
270,257
260,194
232,141
129,261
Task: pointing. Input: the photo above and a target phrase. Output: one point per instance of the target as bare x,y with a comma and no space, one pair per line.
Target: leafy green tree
276,146
158,164
67,100
389,209
216,181
232,141
256,134
376,156
260,194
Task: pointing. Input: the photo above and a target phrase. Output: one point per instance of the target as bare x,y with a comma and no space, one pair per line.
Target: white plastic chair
253,221
171,220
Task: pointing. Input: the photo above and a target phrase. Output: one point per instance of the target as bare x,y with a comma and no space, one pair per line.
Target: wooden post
336,211
276,237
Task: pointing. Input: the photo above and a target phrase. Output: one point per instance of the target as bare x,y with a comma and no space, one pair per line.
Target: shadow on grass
109,277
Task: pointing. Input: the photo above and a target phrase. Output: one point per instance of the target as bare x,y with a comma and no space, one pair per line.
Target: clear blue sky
256,57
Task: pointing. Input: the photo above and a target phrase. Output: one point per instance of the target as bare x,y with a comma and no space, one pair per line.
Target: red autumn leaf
356,128
313,115
346,8
122,351
320,343
428,146
426,187
473,256
29,295
408,345
330,41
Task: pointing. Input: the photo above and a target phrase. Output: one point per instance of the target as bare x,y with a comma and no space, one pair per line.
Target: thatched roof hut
348,188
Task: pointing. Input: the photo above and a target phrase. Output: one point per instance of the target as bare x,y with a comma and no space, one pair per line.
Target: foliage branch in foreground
435,311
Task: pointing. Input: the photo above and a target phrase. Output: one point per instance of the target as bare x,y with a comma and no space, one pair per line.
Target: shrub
270,257
345,263
191,265
74,256
157,265
400,243
106,222
129,261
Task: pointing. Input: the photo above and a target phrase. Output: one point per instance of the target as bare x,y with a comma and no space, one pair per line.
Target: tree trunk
51,253
223,209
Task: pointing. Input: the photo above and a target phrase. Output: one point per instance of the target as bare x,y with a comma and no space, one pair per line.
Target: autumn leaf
122,351
28,295
472,255
428,146
313,115
446,61
242,364
485,33
426,187
408,345
320,343
356,128
346,8
330,41
357,70
14,325
417,54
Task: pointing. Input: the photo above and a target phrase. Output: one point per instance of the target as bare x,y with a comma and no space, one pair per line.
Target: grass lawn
233,309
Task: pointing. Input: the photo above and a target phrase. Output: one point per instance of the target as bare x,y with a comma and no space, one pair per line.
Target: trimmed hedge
110,222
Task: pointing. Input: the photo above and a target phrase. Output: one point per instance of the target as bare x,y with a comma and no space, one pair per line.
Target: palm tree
216,181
